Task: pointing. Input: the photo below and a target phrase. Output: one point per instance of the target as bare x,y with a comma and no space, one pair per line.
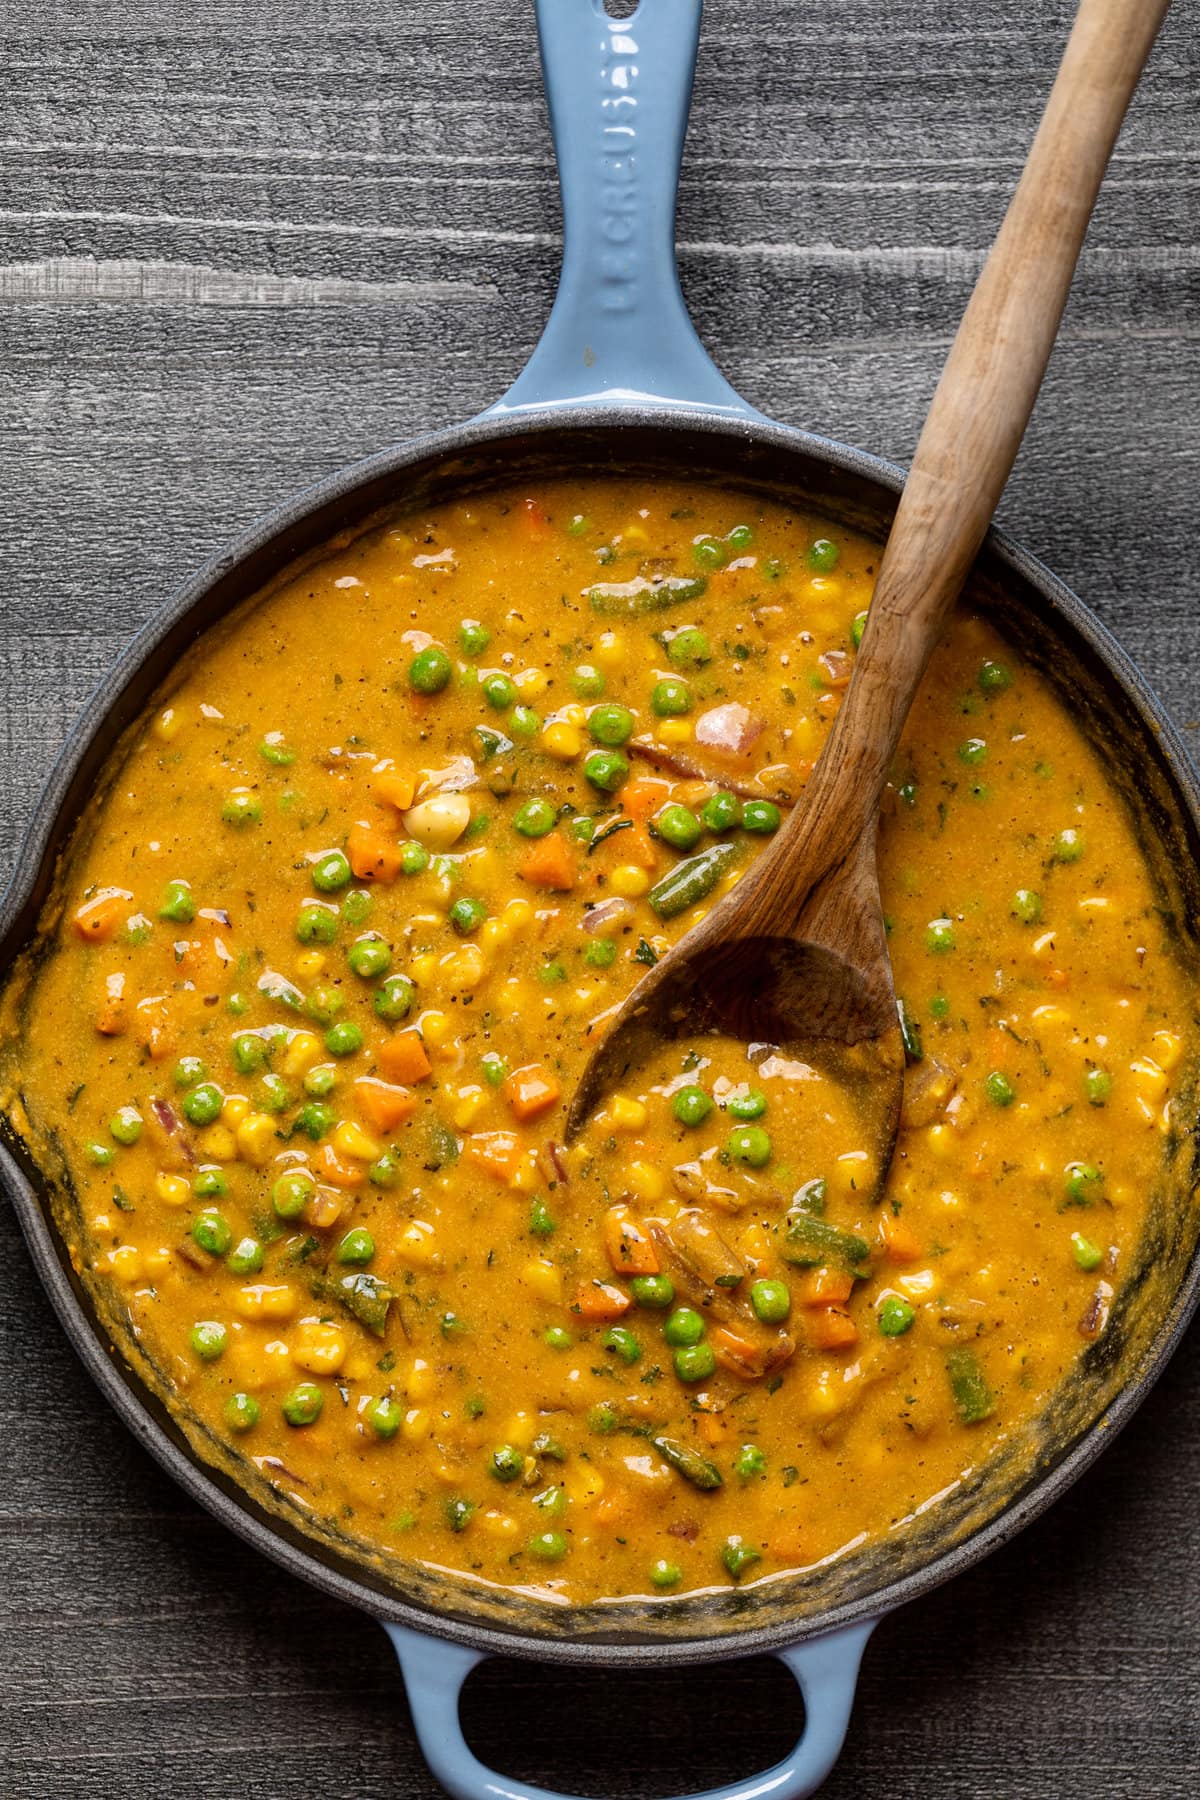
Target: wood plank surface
242,245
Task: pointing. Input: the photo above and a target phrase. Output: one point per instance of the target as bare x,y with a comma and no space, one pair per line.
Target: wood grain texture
240,246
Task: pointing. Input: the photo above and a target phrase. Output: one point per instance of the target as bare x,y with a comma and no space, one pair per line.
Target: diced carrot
497,1153
533,516
339,1174
381,1104
712,1428
737,1354
630,1249
825,1287
829,1328
900,1242
97,919
600,1302
611,1508
1057,978
373,855
549,864
643,797
531,1090
154,1031
110,1020
324,1209
637,847
394,787
828,704
402,1057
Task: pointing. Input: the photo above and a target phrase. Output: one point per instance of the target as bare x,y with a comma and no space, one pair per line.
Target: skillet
620,381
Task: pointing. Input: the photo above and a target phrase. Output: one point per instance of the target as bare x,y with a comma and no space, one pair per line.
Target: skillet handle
619,92
826,1671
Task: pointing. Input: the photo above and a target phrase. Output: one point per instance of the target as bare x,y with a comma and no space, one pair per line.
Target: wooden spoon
795,955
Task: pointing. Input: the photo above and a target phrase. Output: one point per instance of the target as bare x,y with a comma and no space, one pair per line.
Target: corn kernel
261,1300
562,740
1150,1080
825,1395
463,970
624,1114
234,1109
919,1285
318,1347
418,1243
157,1262
530,682
644,1181
851,1172
825,588
609,649
521,1430
675,731
172,1190
256,1137
168,724
218,1144
1044,944
1168,1048
940,1139
543,1279
1051,1015
351,1140
436,1029
303,1051
260,1367
498,1524
424,968
126,1262
309,964
468,1106
574,714
420,1383
754,1244
635,533
494,934
517,914
417,1424
584,1485
629,881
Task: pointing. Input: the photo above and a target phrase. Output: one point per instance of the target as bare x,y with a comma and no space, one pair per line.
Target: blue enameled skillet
620,381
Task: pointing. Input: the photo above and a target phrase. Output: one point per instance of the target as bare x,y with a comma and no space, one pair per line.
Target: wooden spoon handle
979,412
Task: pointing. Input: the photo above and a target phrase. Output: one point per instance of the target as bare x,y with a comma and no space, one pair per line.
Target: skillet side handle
618,92
826,1671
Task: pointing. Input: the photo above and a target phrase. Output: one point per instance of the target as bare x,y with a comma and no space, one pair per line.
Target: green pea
973,752
325,1003
671,698
292,1192
603,1419
1097,1085
189,1070
499,692
664,1574
709,552
315,1119
738,1556
721,812
1026,906
606,770
358,1246
1087,1254
343,1039
369,957
177,903
241,807
939,1007
761,816
430,670
653,1291
552,1500
210,1184
495,1068
684,1327
467,916
534,818
473,637
749,1144
689,648
202,1105
588,682
582,828
1084,1183
459,1513
208,1339
126,1125
302,1404
356,907
249,1053
740,538
547,1546
524,722
611,724
771,1300
894,1317
621,1340
691,1105
678,826
331,871
246,1257
939,937
994,677
101,1156
601,953
823,555
506,1463
555,1337
552,973
749,1462
393,1001
316,923
541,1219
579,524
239,1004
241,1412
747,1107
385,1171
999,1089
414,859
858,625
211,1232
385,1417
695,1362
1068,845
274,750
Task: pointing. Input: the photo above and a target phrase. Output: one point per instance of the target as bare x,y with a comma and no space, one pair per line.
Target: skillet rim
48,829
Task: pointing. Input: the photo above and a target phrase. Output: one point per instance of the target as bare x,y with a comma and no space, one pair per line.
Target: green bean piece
689,882
811,1243
687,1462
972,1395
737,1556
644,594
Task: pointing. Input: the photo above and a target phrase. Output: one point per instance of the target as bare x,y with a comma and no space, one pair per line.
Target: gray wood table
241,245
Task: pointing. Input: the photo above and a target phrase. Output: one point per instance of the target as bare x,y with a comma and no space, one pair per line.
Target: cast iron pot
621,382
